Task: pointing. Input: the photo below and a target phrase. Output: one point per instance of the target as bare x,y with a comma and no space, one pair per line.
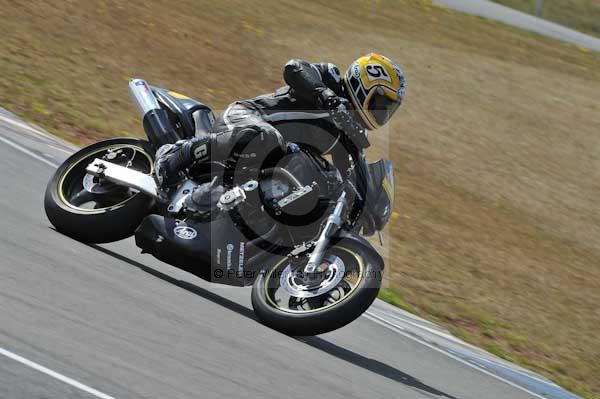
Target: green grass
391,296
581,15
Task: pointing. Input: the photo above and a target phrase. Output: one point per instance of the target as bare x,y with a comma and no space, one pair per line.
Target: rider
312,109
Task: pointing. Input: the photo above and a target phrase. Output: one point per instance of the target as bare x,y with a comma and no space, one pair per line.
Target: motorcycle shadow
202,292
330,348
373,366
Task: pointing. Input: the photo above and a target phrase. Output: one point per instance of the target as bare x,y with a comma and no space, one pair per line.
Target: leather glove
328,100
343,118
342,115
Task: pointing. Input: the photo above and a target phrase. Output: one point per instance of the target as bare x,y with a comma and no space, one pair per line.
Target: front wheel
91,210
346,284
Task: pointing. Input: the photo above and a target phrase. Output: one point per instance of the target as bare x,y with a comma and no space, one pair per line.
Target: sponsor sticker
229,248
185,232
241,257
143,84
356,71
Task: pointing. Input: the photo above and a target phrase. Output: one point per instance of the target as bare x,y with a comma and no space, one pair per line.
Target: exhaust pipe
157,126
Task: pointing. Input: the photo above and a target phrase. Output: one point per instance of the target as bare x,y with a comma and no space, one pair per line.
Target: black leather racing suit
257,130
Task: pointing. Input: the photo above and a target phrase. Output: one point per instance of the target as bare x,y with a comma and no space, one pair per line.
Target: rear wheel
345,286
90,209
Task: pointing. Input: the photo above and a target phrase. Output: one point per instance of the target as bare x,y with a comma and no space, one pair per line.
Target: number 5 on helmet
375,85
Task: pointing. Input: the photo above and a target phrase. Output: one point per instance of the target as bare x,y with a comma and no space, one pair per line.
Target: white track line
398,329
70,151
21,125
26,151
54,374
31,129
442,334
12,355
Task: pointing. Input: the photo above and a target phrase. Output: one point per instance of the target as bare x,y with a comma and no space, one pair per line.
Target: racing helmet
375,86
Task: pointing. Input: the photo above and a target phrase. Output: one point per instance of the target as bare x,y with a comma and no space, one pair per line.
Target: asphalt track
509,16
85,321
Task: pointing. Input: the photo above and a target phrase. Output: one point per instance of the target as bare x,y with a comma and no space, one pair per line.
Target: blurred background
496,231
582,15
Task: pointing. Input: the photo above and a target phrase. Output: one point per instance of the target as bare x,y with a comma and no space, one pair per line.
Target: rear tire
321,320
120,210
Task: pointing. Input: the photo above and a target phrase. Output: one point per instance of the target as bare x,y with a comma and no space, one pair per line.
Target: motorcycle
293,230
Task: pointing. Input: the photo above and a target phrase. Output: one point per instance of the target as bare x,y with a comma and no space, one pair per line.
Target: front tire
92,211
325,312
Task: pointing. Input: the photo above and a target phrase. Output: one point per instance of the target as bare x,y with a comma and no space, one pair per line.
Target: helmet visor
382,107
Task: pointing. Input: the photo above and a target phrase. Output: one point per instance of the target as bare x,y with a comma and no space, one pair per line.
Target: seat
189,117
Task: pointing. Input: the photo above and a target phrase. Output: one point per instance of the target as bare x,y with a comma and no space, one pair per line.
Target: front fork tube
333,224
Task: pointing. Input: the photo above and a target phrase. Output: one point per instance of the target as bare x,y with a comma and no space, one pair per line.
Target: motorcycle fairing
361,245
380,196
215,251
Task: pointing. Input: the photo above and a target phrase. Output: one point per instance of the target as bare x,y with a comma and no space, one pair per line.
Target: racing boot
173,158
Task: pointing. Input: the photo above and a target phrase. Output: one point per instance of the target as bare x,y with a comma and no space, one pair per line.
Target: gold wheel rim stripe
99,210
361,267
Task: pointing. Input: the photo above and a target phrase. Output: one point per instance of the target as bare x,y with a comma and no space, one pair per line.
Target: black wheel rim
281,299
86,193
